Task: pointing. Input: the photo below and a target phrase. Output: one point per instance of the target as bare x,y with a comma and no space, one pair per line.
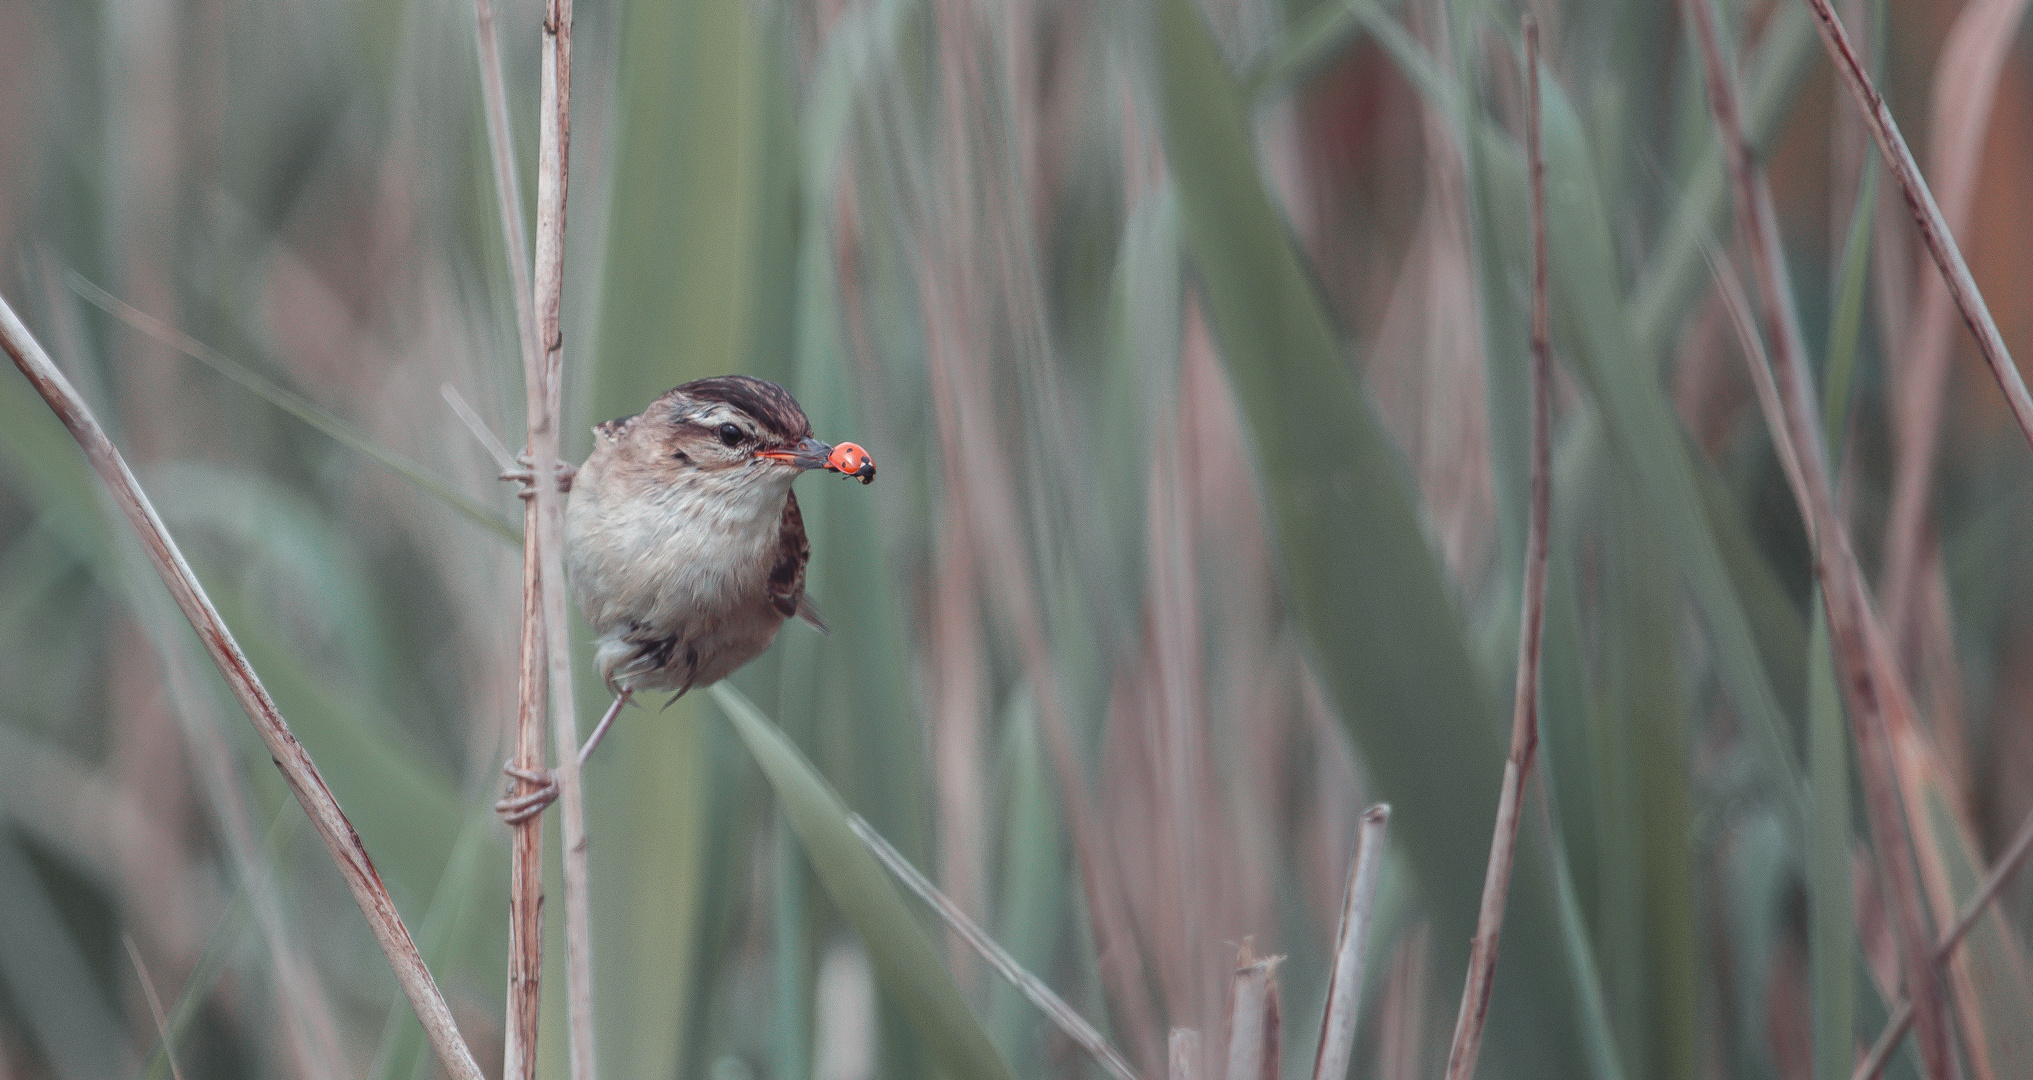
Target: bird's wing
787,574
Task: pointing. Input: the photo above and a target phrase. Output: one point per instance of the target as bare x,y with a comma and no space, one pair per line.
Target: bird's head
734,432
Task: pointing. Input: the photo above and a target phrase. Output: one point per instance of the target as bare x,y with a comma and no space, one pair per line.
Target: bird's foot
525,477
517,809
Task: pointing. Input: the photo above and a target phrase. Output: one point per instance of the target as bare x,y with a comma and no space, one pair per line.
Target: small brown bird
683,540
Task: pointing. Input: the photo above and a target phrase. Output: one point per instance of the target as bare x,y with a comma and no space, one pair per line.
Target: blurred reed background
1193,352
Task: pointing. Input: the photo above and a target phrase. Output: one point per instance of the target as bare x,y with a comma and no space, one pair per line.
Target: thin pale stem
1183,1055
1255,1021
1926,215
1344,983
543,385
526,846
1902,1015
507,183
290,757
1873,686
1482,957
1076,1027
503,460
526,867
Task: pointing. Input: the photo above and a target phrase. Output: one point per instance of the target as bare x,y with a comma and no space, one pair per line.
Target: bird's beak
809,454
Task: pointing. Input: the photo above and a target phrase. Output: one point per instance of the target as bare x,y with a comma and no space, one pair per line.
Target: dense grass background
1190,339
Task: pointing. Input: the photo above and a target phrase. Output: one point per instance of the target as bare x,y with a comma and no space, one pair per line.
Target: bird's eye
730,434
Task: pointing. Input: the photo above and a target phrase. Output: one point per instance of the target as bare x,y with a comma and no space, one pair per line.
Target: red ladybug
849,459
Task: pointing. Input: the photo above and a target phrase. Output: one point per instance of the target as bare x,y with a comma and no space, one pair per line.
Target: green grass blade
296,405
191,1001
1677,268
1599,1040
1033,880
1505,331
49,980
402,1051
1647,703
906,961
1643,430
1331,27
1847,324
218,948
1831,920
1350,542
1831,924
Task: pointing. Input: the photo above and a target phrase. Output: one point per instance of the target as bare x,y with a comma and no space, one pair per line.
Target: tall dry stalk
294,762
1927,217
546,667
1872,685
526,846
1965,87
542,386
1901,1020
1482,957
1344,980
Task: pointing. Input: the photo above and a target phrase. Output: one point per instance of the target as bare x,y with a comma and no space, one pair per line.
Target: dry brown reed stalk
1926,215
1901,1019
1183,1055
1344,981
526,837
1482,957
1186,829
1254,1023
526,867
1965,86
289,755
525,847
1871,681
1033,988
543,388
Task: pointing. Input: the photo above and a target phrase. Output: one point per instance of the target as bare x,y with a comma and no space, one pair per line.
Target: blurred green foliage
1190,340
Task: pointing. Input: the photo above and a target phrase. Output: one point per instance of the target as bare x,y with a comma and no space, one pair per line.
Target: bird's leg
600,729
517,809
525,477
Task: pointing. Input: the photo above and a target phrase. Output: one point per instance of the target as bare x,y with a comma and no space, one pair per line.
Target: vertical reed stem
1482,956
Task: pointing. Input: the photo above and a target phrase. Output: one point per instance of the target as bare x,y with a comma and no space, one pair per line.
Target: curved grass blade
294,404
1350,543
1831,925
1331,27
906,960
1643,430
1831,921
1846,325
49,979
402,1050
218,949
1677,269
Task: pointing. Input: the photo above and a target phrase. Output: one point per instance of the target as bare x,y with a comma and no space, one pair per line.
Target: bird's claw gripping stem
517,809
525,477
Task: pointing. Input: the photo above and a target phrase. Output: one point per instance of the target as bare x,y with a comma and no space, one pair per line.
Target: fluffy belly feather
684,565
